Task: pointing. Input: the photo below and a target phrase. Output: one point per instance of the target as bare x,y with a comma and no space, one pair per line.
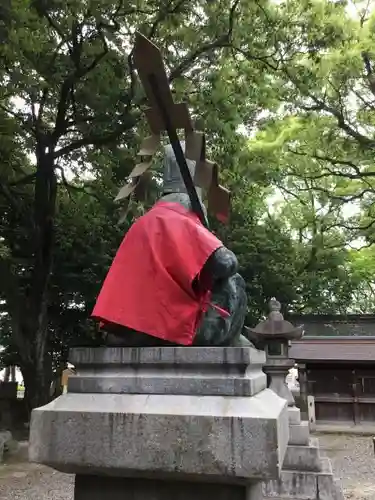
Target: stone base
99,487
187,414
299,485
130,434
299,434
306,458
7,444
196,371
305,474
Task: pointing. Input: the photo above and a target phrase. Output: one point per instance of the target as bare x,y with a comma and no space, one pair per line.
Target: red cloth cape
149,286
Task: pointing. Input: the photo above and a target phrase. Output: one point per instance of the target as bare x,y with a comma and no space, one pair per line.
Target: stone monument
176,405
164,423
305,474
179,282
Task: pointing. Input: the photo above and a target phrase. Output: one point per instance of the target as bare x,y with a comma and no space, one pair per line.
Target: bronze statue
172,281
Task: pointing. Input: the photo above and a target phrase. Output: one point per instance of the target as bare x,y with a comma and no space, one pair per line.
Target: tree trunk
37,366
37,379
7,374
28,305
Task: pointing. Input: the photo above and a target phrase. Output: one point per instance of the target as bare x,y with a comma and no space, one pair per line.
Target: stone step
298,485
299,434
329,488
339,494
303,458
292,484
294,414
7,444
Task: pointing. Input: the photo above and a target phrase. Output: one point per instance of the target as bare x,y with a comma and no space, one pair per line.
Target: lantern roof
275,326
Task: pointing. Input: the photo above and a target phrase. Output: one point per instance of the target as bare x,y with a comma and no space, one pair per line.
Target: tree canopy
286,93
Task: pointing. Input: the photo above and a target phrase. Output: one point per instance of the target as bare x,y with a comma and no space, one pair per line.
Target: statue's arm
219,266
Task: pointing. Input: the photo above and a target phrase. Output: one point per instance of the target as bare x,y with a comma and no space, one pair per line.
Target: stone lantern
274,335
305,474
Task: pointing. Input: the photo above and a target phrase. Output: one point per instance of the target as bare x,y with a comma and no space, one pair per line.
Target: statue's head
172,178
173,184
204,176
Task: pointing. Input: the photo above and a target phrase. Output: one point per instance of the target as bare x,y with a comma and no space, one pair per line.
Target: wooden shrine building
336,365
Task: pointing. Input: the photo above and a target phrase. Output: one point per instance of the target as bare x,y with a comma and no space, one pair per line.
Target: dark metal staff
179,154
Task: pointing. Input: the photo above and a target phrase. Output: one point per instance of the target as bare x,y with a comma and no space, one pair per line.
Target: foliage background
286,91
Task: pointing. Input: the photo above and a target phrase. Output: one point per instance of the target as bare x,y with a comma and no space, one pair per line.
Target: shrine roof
336,325
319,348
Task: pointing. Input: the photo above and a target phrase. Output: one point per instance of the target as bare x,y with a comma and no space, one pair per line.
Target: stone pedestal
277,370
305,474
163,422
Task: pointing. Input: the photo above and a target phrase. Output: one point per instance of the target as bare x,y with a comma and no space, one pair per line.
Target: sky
19,378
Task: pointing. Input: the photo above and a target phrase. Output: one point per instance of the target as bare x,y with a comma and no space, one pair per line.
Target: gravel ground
352,457
353,463
28,482
20,480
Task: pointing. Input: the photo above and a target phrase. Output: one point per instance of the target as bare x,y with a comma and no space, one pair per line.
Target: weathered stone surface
299,434
219,437
5,436
298,485
303,458
3,439
294,415
150,438
338,494
226,371
193,356
329,488
292,484
7,444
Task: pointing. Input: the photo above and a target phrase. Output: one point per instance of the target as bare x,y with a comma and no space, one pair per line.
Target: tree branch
24,180
322,106
294,195
97,140
80,72
10,198
80,189
25,124
163,14
358,228
249,56
358,175
224,40
344,199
